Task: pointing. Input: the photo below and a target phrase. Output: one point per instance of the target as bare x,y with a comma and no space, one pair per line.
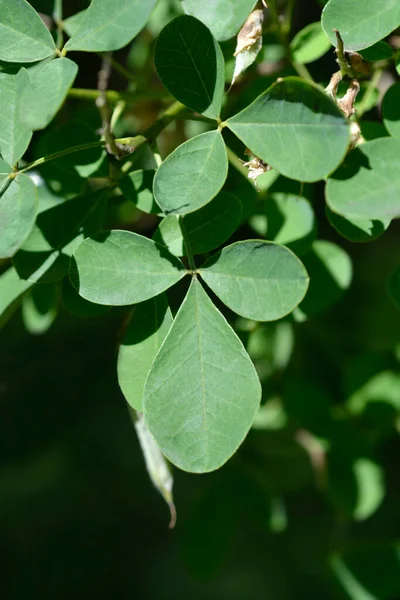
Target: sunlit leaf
223,17
138,188
309,44
18,209
14,134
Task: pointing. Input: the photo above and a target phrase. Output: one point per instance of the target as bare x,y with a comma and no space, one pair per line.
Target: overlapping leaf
15,135
12,289
150,323
258,280
119,268
202,392
23,35
192,175
190,64
391,110
357,230
109,25
224,18
367,185
138,188
295,128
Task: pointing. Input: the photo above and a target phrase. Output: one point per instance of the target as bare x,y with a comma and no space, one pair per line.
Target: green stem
122,70
57,17
343,64
186,242
114,97
302,70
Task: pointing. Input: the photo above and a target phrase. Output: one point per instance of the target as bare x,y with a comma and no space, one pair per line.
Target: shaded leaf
290,221
309,44
11,290
367,185
258,280
138,188
49,86
106,26
18,209
379,51
78,306
117,268
191,175
40,308
357,230
190,64
394,287
391,110
150,323
223,17
23,35
206,229
295,128
202,392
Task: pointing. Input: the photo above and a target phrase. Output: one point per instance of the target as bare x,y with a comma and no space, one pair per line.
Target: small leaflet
249,43
156,464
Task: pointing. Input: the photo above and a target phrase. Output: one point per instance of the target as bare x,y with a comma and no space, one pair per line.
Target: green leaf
107,26
357,230
18,209
71,24
330,270
391,110
78,306
40,308
117,268
379,51
309,44
258,280
206,229
371,488
290,221
360,24
202,392
394,287
58,231
367,184
14,134
224,18
294,127
11,290
138,188
150,323
49,86
5,170
23,35
191,175
190,64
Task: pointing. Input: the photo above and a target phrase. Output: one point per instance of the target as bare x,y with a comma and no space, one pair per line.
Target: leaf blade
18,209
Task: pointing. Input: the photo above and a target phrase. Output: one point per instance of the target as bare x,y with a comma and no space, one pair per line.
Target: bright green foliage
192,175
5,170
360,24
110,25
367,185
138,188
18,208
295,128
391,110
258,280
203,384
41,99
205,230
24,37
14,134
190,64
223,17
119,268
309,44
149,324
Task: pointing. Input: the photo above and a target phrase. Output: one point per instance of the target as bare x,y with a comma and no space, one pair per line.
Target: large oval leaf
295,128
18,208
14,134
106,25
360,24
224,18
43,97
191,175
206,229
150,323
202,392
367,185
117,268
190,64
23,35
256,279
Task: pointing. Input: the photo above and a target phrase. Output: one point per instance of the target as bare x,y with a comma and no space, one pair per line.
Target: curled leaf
249,43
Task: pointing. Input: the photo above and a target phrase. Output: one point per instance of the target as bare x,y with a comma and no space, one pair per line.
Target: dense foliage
207,196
